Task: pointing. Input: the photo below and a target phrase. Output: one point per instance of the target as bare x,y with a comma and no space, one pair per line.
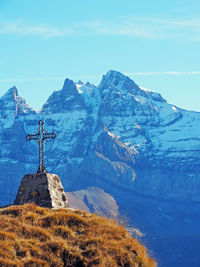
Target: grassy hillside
35,236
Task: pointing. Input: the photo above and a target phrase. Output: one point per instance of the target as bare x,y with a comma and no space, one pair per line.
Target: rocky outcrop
95,200
45,190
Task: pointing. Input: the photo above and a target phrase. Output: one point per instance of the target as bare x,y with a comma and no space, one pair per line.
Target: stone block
43,189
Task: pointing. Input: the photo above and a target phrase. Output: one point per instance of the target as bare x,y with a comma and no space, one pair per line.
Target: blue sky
156,43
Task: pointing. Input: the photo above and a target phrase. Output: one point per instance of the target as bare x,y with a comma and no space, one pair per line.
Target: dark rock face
109,160
64,100
45,190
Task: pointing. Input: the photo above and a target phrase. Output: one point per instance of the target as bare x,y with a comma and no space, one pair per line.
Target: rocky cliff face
115,134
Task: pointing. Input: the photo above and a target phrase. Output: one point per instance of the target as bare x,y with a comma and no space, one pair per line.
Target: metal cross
40,138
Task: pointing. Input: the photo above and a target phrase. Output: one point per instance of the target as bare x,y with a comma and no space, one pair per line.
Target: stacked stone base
44,190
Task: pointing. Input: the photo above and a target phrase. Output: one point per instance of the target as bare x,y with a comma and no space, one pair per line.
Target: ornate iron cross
40,138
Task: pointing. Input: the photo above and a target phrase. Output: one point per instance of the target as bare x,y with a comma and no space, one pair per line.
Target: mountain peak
80,82
69,88
12,93
12,105
116,77
115,74
14,90
116,80
88,84
62,100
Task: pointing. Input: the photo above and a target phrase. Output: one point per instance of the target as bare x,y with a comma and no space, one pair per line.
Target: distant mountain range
119,137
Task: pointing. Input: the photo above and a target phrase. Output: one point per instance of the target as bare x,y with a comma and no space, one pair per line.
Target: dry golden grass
31,236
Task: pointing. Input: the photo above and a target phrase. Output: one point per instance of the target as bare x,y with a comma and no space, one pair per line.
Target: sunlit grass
35,236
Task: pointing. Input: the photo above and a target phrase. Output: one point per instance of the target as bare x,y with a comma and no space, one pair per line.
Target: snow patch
144,89
78,86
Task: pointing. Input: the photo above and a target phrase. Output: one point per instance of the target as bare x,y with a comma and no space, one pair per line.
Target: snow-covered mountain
116,133
117,136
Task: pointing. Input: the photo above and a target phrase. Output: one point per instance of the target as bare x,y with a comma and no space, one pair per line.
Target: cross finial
40,138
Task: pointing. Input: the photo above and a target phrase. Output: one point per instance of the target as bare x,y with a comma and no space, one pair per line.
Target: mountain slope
34,236
95,200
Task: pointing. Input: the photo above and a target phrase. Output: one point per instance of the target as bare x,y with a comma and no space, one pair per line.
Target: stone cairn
42,188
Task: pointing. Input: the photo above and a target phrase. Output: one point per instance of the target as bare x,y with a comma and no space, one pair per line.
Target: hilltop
35,236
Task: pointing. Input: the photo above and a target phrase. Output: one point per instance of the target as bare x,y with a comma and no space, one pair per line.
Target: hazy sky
156,43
